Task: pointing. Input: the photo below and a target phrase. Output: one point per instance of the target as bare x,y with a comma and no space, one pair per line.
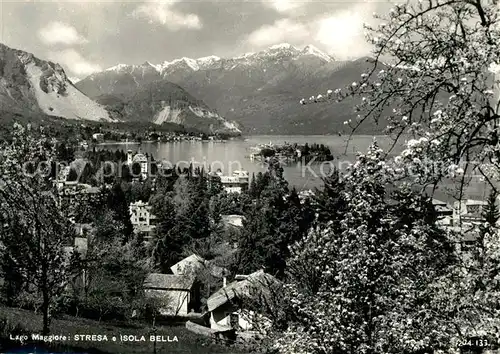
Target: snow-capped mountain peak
207,62
208,59
284,50
191,63
148,64
244,56
281,46
118,67
312,50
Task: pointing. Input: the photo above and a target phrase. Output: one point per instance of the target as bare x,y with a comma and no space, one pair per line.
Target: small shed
226,306
176,292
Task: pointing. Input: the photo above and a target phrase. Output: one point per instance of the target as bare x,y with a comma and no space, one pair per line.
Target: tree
115,274
136,169
72,175
117,202
469,294
372,274
108,228
273,222
439,87
253,250
491,212
34,230
169,241
329,201
65,154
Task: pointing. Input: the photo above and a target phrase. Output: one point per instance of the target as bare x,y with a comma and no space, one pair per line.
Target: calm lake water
234,154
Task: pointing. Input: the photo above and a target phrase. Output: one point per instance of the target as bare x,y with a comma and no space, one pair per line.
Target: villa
140,159
236,183
142,219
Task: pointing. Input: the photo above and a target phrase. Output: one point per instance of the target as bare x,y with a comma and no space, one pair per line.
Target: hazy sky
89,36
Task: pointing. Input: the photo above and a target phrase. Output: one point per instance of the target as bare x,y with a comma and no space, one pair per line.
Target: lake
233,154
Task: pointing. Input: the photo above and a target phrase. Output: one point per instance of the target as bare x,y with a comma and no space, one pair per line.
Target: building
63,174
232,184
226,306
175,293
141,159
194,264
70,190
468,212
80,245
99,137
233,221
142,219
243,177
189,265
444,212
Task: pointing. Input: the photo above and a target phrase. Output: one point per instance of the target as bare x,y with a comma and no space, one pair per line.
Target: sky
85,37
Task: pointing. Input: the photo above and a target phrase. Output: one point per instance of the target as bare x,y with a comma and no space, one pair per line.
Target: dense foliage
361,280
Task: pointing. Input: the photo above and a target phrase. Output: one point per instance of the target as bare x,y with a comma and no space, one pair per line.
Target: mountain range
35,88
257,93
260,91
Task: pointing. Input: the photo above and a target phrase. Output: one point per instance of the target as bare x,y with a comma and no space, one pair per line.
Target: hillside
29,85
141,95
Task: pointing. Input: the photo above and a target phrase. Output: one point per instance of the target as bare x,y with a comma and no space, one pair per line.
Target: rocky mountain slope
261,91
29,86
162,102
140,93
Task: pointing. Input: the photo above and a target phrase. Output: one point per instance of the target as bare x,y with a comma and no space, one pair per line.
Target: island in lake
291,152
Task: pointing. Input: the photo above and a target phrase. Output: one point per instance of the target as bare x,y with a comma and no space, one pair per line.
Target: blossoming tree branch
434,79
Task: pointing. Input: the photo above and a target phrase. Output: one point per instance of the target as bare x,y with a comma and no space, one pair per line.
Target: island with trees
292,152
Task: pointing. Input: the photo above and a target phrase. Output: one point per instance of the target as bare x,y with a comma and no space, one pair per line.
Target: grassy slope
188,342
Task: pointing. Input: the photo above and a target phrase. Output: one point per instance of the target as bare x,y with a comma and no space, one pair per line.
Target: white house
99,137
233,220
140,159
142,219
232,184
175,292
468,211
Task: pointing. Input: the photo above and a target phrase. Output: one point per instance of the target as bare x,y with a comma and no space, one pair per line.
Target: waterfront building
236,183
140,159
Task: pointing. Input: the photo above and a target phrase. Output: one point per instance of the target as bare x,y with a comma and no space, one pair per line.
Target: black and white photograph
250,176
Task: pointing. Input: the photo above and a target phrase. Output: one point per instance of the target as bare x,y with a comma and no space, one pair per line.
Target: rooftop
234,220
140,158
229,179
255,284
195,263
